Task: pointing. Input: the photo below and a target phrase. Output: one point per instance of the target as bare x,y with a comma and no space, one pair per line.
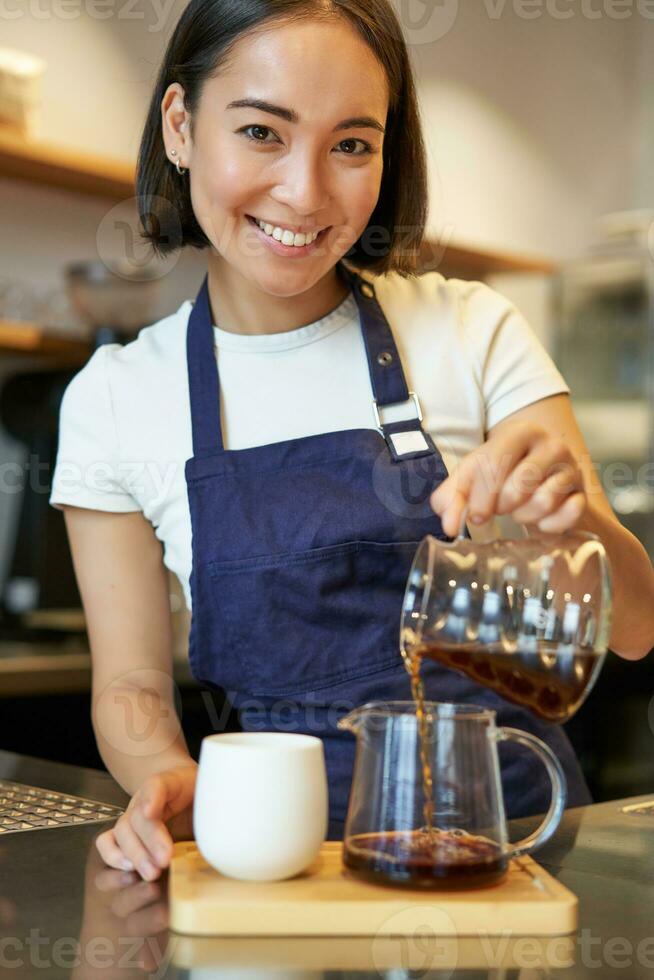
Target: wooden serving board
326,900
311,957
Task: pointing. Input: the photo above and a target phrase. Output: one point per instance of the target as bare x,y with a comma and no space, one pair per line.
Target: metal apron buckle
405,439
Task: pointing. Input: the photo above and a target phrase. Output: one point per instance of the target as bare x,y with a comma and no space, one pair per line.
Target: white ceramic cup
261,803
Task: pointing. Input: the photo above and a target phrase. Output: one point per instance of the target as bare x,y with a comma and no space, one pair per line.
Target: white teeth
286,237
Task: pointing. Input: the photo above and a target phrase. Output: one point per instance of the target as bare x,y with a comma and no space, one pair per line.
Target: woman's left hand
521,470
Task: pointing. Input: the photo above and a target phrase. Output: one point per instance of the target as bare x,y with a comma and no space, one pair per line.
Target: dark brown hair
200,46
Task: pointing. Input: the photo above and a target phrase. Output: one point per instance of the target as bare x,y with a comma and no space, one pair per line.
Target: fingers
451,516
566,516
479,478
165,804
136,844
492,467
549,496
521,471
549,469
450,499
136,850
140,839
154,835
111,853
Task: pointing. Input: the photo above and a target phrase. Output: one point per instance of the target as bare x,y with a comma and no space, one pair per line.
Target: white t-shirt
125,424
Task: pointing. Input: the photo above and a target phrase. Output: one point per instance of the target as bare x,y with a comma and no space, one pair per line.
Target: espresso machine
40,576
39,598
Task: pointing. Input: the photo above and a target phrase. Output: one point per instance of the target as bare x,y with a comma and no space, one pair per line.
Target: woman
293,523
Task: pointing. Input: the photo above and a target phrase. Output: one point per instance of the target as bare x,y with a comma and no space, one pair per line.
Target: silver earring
180,170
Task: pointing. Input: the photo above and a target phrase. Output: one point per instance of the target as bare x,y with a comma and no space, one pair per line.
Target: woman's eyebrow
354,122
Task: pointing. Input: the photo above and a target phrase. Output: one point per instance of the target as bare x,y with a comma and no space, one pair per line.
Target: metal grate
32,808
644,809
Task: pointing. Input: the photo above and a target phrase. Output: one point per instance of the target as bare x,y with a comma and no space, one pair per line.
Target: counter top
63,913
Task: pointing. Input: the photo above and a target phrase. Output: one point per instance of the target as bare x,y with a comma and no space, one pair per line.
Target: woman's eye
255,139
265,129
366,147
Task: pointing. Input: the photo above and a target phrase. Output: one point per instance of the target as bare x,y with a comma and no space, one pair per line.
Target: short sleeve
513,367
88,471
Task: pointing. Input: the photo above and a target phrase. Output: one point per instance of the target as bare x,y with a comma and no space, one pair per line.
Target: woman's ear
175,128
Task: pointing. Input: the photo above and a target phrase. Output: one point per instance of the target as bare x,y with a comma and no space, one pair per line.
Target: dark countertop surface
63,913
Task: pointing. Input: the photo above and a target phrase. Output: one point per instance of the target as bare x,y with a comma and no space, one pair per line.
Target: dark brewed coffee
421,858
549,684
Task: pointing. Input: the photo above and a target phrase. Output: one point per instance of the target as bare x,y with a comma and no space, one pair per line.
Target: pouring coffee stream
412,659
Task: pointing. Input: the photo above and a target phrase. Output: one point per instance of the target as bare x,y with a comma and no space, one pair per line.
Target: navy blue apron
301,553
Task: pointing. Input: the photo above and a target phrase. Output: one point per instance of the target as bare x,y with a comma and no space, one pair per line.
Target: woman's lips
287,250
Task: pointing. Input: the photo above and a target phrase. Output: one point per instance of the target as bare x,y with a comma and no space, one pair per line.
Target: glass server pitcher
426,806
528,618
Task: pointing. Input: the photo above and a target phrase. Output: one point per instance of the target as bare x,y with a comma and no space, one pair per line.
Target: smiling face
316,166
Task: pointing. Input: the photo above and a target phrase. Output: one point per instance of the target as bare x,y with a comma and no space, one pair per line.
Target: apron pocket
292,623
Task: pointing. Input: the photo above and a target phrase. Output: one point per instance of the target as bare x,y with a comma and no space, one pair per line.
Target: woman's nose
304,191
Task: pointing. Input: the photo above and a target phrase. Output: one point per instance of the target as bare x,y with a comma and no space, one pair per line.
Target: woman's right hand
160,812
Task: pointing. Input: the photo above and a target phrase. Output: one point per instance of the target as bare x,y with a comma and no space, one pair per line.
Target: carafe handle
559,789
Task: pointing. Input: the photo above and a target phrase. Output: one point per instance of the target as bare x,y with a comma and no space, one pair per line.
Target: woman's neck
239,306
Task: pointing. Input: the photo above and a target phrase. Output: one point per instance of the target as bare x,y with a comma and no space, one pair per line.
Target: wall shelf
459,262
49,165
451,261
18,337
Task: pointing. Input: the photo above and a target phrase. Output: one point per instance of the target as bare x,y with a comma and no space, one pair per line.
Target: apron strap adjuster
412,395
405,439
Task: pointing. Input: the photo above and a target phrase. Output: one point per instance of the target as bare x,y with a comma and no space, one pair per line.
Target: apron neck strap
204,387
386,375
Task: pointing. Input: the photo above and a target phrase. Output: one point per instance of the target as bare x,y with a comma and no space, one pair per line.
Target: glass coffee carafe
528,618
426,806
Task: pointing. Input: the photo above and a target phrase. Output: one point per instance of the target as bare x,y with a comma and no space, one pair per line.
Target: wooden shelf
17,337
458,262
452,261
53,166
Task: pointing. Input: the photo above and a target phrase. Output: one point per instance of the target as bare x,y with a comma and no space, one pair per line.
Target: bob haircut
201,44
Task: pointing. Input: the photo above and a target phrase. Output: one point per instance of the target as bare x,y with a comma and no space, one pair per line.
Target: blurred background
539,125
